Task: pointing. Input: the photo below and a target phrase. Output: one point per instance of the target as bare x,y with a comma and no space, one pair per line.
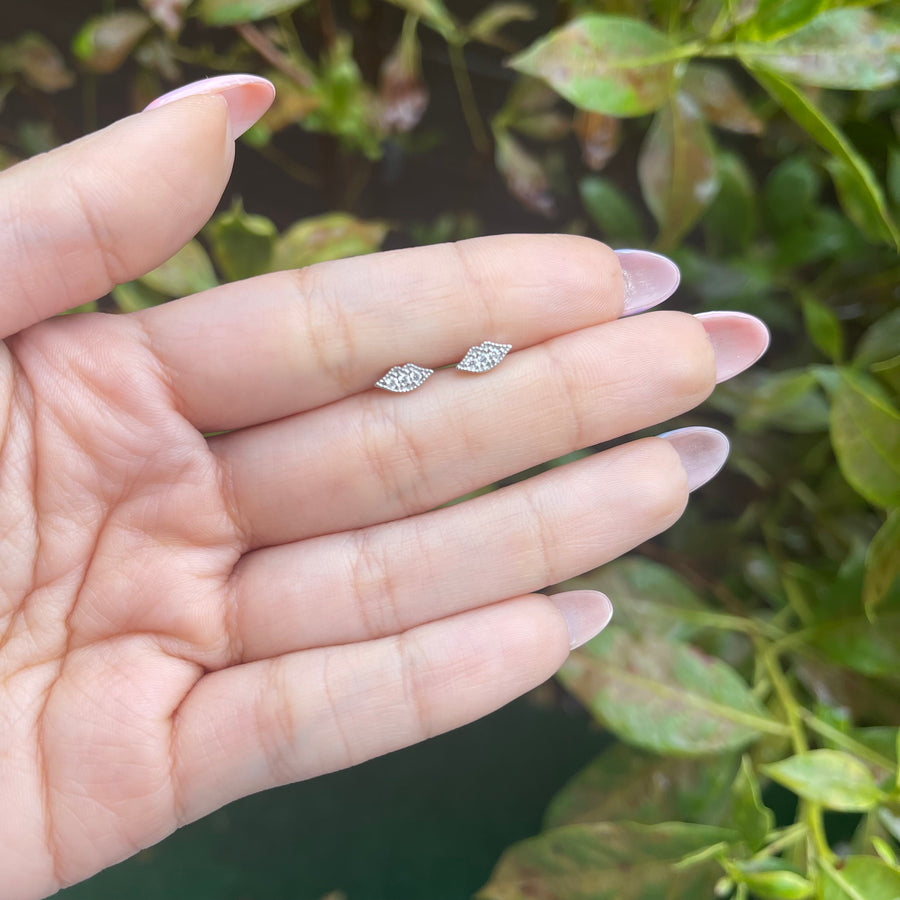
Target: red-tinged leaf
402,94
599,135
851,49
607,861
677,169
524,175
104,42
168,14
38,61
606,64
719,99
330,236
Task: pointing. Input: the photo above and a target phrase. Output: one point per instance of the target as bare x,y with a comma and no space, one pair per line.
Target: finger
115,204
374,457
255,726
388,578
282,343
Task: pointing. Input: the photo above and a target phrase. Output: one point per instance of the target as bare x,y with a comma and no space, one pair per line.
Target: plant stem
467,98
844,740
268,51
790,836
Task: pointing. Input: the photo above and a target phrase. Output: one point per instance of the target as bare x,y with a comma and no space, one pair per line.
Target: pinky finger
274,721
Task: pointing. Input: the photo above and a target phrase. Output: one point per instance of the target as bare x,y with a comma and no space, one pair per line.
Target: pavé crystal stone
483,357
405,378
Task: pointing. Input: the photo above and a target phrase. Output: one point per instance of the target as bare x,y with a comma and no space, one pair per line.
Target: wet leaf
626,784
524,175
651,598
38,61
832,778
799,107
187,272
839,48
718,97
606,861
242,244
330,236
870,648
664,696
168,14
232,12
677,169
605,64
752,818
104,42
730,222
823,328
402,94
861,878
486,25
599,136
865,433
882,563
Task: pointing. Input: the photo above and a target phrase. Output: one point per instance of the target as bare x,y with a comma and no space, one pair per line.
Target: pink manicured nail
248,97
649,279
586,613
703,452
739,341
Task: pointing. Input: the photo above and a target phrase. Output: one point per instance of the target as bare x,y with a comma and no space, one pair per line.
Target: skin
183,620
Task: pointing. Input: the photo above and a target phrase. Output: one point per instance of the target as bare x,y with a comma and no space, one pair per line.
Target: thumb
115,204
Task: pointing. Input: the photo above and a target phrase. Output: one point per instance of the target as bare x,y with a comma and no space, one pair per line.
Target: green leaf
865,434
719,99
752,818
791,400
774,18
855,201
730,221
612,211
804,112
624,783
232,12
663,696
606,64
606,861
880,342
651,598
790,193
840,48
187,272
242,244
823,328
132,296
104,42
870,648
330,236
435,14
777,885
832,778
882,563
861,878
677,169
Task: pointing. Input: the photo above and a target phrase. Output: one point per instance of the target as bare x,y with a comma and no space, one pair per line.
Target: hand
183,620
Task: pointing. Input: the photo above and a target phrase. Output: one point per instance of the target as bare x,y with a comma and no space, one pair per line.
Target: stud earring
483,357
402,379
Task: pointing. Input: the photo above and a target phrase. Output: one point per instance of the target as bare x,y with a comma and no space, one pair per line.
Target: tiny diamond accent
405,378
483,357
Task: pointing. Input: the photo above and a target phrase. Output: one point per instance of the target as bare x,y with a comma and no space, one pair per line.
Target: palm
185,620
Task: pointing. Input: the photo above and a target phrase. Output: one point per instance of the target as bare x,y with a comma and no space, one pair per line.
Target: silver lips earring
480,358
405,378
483,357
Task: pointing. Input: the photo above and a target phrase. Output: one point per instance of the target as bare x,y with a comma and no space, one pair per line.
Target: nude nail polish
738,340
586,613
702,451
248,97
650,278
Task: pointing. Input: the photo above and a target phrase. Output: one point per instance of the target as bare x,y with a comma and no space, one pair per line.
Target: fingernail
649,279
247,96
703,452
738,340
586,613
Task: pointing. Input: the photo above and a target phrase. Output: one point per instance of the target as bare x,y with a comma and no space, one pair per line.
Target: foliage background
754,657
